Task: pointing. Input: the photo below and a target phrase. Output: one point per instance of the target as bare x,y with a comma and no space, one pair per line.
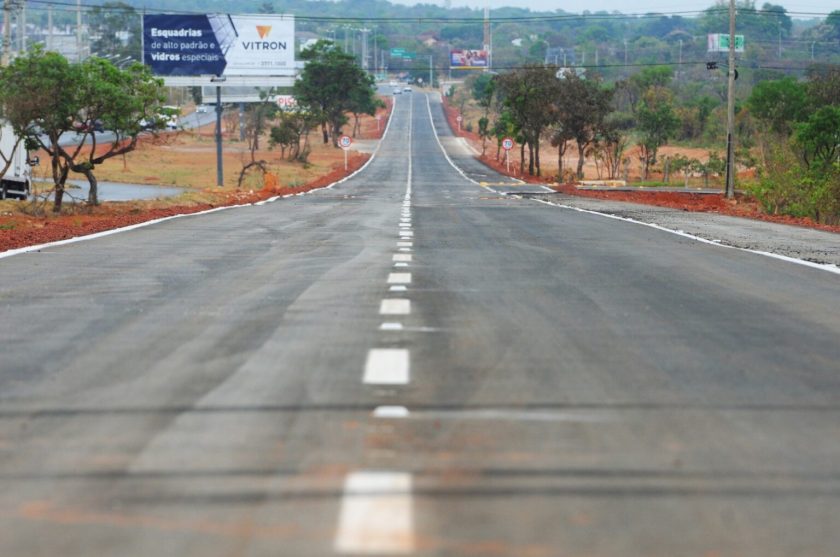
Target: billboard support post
220,180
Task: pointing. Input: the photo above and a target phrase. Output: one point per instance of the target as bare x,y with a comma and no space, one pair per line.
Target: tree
363,100
582,105
779,104
326,85
657,122
833,23
824,83
117,26
529,94
819,137
483,91
45,97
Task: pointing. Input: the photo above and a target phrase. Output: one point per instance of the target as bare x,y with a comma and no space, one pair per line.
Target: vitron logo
264,31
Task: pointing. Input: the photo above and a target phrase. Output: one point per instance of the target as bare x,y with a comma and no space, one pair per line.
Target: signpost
345,142
507,145
458,119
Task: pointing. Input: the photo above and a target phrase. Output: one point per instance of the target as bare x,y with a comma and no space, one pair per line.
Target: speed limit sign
459,118
507,144
344,142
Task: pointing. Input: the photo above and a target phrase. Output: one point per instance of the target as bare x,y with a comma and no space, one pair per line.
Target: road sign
507,144
719,42
344,142
397,52
459,118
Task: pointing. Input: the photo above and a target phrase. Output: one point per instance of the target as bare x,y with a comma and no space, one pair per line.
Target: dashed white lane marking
376,514
399,278
402,257
404,249
405,244
400,264
406,233
398,288
395,306
387,366
390,412
391,327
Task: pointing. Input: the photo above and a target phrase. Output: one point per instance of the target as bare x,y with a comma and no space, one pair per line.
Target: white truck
17,181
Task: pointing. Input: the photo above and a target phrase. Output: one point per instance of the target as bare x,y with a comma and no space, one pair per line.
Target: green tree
529,94
45,97
582,105
363,100
483,91
326,86
779,104
656,122
819,137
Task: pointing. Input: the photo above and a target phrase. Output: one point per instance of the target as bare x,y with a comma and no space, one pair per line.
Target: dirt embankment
186,160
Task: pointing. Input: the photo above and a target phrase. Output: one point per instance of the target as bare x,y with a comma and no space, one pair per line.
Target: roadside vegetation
646,129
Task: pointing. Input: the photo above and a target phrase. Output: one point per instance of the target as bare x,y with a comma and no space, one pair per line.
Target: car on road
407,89
397,91
202,109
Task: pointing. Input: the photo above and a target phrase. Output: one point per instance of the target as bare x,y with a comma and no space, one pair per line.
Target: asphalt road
411,364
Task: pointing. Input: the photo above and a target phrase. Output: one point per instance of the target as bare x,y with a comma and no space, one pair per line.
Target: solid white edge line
831,268
102,234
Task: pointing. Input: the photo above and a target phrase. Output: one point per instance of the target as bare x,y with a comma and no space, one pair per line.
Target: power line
462,19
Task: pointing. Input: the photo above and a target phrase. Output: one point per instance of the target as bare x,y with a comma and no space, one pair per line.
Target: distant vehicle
170,114
393,83
397,90
201,109
16,183
407,89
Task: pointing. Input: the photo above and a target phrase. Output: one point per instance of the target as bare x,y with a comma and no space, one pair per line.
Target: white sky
639,6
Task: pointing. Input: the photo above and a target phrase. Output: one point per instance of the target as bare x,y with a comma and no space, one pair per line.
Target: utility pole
364,48
680,66
78,30
431,74
49,27
7,31
730,108
625,52
22,22
487,39
812,50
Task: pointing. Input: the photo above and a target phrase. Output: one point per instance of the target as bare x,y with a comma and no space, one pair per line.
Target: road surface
411,364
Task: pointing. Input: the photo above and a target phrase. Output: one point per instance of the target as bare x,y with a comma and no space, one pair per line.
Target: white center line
398,288
405,244
395,306
402,257
390,412
401,264
376,514
399,278
404,249
406,233
387,366
391,326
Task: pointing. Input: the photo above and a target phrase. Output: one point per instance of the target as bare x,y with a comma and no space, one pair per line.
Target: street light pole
730,108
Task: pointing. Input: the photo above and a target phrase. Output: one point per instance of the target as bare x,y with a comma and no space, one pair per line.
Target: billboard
468,59
219,44
719,42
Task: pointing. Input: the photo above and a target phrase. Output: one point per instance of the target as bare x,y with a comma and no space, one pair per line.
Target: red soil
23,230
